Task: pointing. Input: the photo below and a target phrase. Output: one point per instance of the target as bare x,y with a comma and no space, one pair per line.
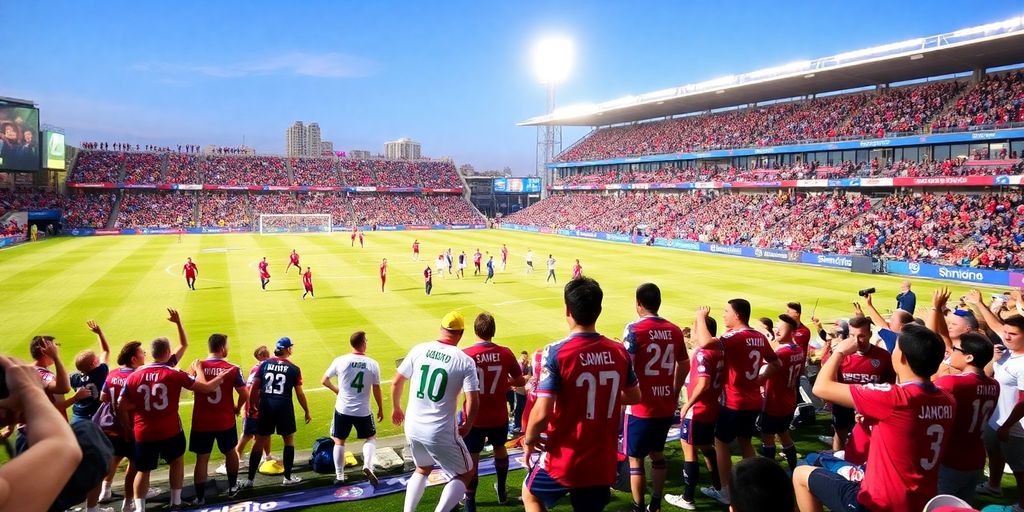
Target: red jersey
112,389
264,273
215,412
190,269
353,234
707,363
536,365
495,365
577,271
47,377
781,388
476,258
427,275
914,423
746,350
295,259
872,367
416,247
802,337
975,397
154,390
504,254
307,280
251,406
655,347
383,270
584,374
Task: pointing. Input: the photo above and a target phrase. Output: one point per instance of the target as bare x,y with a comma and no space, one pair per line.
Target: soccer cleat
223,469
154,492
291,481
677,500
715,494
985,489
371,477
198,502
502,499
241,486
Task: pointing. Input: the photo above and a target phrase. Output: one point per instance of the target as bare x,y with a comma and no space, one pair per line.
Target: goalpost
277,223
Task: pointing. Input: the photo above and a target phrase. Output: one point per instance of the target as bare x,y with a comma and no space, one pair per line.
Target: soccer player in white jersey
438,371
357,375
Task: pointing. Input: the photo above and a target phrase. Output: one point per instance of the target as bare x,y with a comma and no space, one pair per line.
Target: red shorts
190,276
264,276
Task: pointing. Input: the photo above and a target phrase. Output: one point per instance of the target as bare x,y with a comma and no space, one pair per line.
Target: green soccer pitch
125,283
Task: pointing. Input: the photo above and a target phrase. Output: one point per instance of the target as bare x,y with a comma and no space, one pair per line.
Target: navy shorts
645,435
250,426
279,419
843,418
480,436
697,433
342,425
202,442
732,424
549,491
148,454
774,424
123,447
834,491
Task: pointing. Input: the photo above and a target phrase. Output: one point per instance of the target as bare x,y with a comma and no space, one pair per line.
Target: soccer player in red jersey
780,392
975,395
659,360
745,351
293,261
383,273
213,417
914,421
801,334
504,257
360,239
871,364
416,250
477,259
264,273
699,415
497,370
585,379
191,271
354,231
577,270
150,396
307,284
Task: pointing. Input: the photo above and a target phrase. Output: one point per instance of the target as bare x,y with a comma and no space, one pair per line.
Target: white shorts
447,450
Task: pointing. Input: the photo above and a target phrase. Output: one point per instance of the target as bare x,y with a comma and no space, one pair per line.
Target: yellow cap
453,321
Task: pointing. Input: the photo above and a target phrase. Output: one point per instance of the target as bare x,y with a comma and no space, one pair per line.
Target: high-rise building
326,148
295,139
360,154
402,149
312,139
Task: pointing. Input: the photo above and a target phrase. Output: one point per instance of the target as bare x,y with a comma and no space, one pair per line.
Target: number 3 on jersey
269,388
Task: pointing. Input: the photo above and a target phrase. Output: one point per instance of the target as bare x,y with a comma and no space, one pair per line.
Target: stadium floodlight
552,59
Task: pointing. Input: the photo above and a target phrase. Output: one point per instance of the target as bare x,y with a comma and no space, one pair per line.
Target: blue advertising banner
43,214
970,275
7,241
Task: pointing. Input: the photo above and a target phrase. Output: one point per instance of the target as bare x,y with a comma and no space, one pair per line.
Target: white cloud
323,65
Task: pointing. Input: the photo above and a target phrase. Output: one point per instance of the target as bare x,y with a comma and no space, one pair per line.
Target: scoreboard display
517,185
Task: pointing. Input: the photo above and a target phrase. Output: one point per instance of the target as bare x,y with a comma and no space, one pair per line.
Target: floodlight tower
552,61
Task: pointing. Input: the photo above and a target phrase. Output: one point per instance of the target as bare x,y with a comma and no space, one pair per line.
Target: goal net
274,223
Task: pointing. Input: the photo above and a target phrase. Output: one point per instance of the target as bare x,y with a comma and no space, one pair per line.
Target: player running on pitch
360,239
551,269
490,270
440,265
191,271
416,250
477,257
529,261
307,284
504,257
383,273
264,273
577,270
293,261
462,265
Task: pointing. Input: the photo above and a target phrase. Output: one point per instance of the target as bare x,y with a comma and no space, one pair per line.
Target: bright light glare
552,59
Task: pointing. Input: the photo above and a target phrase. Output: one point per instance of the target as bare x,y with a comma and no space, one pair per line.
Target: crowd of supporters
143,168
399,173
13,200
314,172
97,167
995,102
224,209
900,110
182,168
273,202
391,209
452,210
154,209
338,206
87,209
249,170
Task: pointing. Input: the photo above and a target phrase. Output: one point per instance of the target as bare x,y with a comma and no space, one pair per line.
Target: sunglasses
958,349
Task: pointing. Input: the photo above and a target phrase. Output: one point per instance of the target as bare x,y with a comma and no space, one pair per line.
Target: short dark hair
583,298
484,326
124,358
742,309
860,321
357,339
648,295
161,348
767,321
979,346
795,306
760,484
786,319
35,347
903,316
712,326
1015,321
217,342
524,353
923,349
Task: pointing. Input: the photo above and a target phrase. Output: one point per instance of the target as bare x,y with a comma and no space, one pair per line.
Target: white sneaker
223,469
678,500
987,490
105,496
154,492
128,507
291,481
715,494
825,439
105,509
243,484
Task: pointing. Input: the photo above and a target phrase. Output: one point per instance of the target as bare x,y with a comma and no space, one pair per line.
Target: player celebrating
273,383
293,261
551,269
383,273
213,417
307,284
780,392
504,257
745,350
357,375
131,357
586,377
428,279
264,273
416,250
498,371
191,271
442,370
659,360
490,270
477,257
577,270
462,265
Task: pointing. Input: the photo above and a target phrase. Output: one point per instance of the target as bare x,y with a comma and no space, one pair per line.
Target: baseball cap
947,503
453,321
284,343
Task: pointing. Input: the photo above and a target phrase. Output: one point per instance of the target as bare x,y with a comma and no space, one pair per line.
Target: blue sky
454,75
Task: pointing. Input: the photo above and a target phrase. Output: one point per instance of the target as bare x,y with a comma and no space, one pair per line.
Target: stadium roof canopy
982,47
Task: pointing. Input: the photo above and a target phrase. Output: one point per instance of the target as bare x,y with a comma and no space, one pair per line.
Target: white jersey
440,263
437,373
1009,372
529,257
357,374
551,263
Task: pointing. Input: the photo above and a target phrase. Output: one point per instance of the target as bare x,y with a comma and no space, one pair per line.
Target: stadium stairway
112,221
951,104
163,167
290,171
197,209
121,170
338,176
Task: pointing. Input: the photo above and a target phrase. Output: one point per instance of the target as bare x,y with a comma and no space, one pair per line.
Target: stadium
824,193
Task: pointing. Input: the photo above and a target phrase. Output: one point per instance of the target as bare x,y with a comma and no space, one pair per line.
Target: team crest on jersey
875,363
350,492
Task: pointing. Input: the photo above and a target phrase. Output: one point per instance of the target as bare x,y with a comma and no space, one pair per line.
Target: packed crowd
224,209
87,209
272,202
143,168
452,210
97,167
249,170
182,168
314,172
995,102
13,200
901,110
338,206
154,209
391,209
124,146
400,173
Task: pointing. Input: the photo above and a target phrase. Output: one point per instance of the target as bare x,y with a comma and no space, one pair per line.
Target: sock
790,452
125,503
716,479
450,496
655,502
232,479
369,448
501,468
471,494
254,464
175,497
289,460
140,504
691,473
200,488
414,491
768,452
339,461
104,487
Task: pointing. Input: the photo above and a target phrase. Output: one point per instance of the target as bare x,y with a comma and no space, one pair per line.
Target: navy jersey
93,381
275,380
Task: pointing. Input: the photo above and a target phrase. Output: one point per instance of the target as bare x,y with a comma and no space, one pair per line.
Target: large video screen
19,138
54,147
516,185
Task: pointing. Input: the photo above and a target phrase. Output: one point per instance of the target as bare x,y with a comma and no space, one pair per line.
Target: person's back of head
759,484
648,296
583,298
161,349
922,349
